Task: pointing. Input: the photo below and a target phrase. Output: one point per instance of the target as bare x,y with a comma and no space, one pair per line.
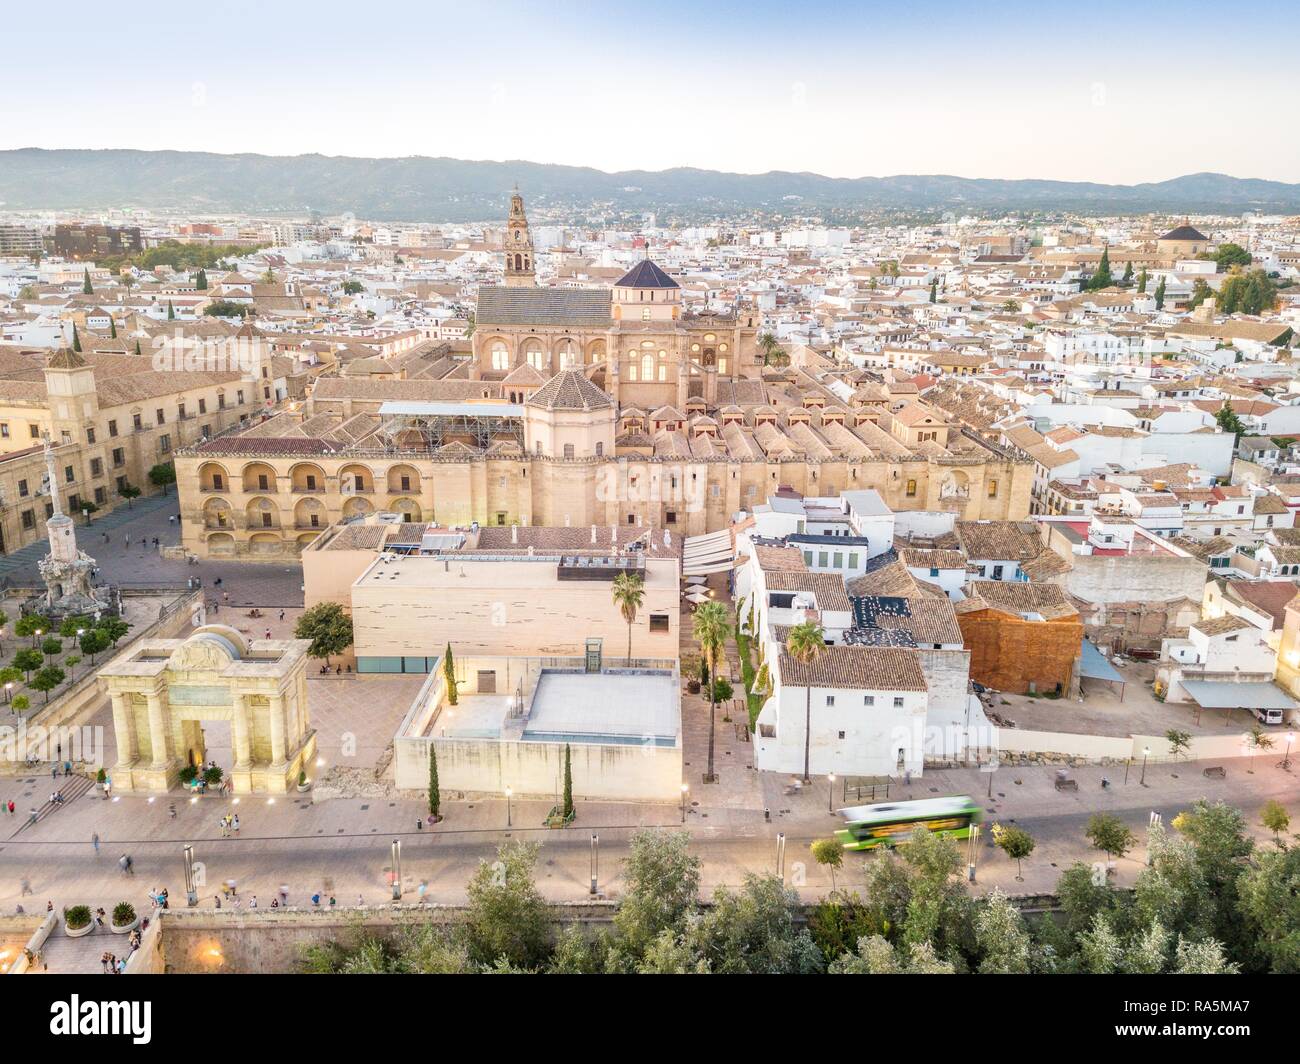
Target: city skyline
838,90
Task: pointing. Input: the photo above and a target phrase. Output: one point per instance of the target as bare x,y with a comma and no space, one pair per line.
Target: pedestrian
225,827
332,901
360,901
31,817
54,771
49,906
421,889
268,633
103,963
252,901
315,899
217,899
234,823
99,917
282,616
284,893
10,807
94,841
225,596
26,887
67,768
419,823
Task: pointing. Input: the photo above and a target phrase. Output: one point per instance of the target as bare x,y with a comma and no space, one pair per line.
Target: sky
1098,91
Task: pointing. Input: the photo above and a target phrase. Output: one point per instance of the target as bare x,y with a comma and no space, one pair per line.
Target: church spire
519,246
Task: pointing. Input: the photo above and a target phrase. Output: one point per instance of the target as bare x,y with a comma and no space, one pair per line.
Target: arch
309,513
534,353
218,514
265,543
356,478
566,354
408,508
307,476
221,543
403,479
213,477
262,512
258,476
356,507
498,353
595,351
305,537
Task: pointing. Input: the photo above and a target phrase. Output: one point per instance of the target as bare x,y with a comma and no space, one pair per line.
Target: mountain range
422,188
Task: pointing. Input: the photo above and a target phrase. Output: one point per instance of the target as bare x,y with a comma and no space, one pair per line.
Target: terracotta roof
860,668
1222,625
569,390
1018,597
498,305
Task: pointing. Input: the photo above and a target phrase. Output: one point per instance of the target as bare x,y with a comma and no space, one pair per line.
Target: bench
1067,785
1215,772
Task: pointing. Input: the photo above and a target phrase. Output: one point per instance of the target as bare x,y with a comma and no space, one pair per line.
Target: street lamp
397,870
595,862
1286,759
9,688
1146,752
780,855
972,852
685,789
830,794
509,792
191,888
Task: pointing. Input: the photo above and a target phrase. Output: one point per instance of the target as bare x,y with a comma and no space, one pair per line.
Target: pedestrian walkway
62,955
20,567
71,787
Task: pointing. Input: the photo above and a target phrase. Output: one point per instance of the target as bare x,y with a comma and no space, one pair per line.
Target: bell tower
519,247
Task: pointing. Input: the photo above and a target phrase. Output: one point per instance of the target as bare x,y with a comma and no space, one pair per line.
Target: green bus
890,823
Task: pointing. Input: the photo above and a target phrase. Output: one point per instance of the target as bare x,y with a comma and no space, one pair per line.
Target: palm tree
804,643
710,629
629,593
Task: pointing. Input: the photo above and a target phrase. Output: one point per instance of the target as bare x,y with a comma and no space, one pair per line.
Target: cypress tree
201,282
171,311
86,287
1160,294
435,803
449,674
112,328
1101,278
76,340
934,291
568,783
137,347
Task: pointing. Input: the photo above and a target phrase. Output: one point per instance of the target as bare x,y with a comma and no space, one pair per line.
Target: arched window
500,355
534,354
647,367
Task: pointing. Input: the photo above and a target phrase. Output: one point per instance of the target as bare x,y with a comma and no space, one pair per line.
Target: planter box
79,931
125,929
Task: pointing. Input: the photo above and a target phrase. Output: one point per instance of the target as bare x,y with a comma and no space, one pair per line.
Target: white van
1268,716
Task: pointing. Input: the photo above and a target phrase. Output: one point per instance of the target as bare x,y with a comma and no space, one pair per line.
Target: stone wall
1010,654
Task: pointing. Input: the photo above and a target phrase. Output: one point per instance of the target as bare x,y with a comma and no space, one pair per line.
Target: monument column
277,731
157,732
124,731
243,754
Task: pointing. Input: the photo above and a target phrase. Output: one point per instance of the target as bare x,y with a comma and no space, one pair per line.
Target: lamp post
191,888
595,862
1128,763
397,870
830,794
685,789
972,855
509,792
1146,752
1286,758
9,691
780,855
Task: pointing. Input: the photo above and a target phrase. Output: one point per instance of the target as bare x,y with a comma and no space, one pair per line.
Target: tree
1101,277
224,308
1269,892
449,676
1200,293
9,675
1257,739
1002,938
629,593
128,492
1227,256
21,703
1143,277
92,642
1083,895
1110,835
1247,293
47,679
1160,295
113,628
830,854
1017,844
1275,817
76,339
1179,742
661,886
567,810
163,474
805,643
1202,958
112,328
201,281
352,288
86,287
1228,420
934,291
710,629
52,646
506,917
28,661
328,627
1127,279
171,311
435,798
753,931
877,956
30,623
771,349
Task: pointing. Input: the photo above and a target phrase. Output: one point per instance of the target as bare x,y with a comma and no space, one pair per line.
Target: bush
187,774
77,917
722,690
123,914
212,775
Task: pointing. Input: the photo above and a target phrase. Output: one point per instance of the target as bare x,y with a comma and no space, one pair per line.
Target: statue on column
66,570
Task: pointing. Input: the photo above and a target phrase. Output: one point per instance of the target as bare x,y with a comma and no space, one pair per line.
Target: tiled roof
828,587
498,305
569,390
1222,625
645,274
1000,540
860,668
1015,596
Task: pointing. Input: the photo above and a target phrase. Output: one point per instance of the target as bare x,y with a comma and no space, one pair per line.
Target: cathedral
636,341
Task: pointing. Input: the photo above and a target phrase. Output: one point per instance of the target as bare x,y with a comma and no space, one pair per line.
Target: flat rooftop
622,707
487,570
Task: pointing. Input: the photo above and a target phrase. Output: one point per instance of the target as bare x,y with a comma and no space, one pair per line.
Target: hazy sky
1122,92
